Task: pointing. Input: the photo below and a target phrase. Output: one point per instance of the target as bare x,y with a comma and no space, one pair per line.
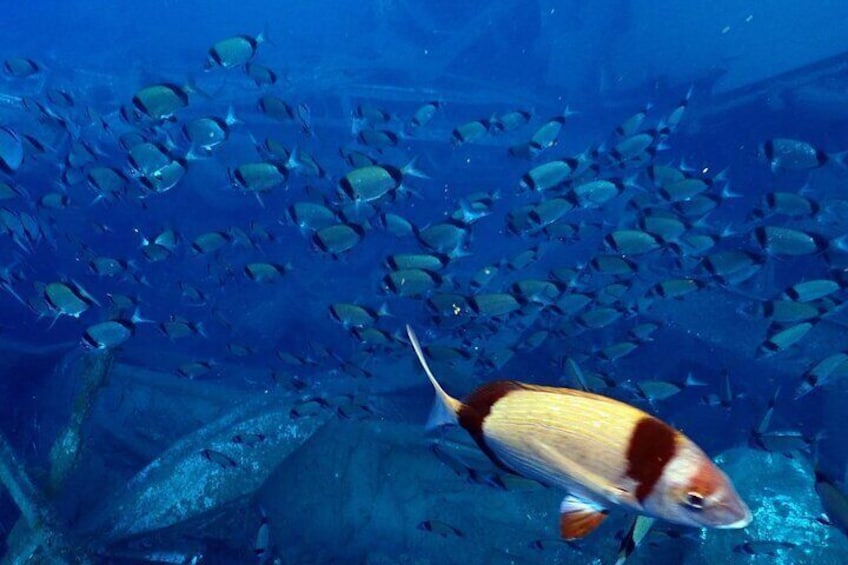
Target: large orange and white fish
603,452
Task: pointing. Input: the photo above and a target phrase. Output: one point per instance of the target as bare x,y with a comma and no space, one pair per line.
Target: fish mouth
737,509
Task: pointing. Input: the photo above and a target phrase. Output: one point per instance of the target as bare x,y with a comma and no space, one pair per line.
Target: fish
616,351
276,108
161,102
494,305
373,182
427,261
772,548
311,215
510,121
178,328
249,439
725,397
68,299
732,266
653,390
412,282
304,118
194,369
834,501
644,332
536,291
629,242
596,193
11,150
628,458
356,158
782,338
210,131
673,119
424,115
786,154
210,242
832,367
780,440
471,132
371,114
258,177
378,138
809,291
234,51
547,135
356,316
112,333
264,272
21,67
641,146
448,308
677,288
308,407
304,164
262,543
782,242
446,238
440,528
615,265
550,211
633,538
787,204
550,175
338,238
260,74
222,460
54,201
396,224
631,125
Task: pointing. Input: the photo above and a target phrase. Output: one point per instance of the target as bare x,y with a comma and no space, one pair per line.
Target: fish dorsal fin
446,407
578,517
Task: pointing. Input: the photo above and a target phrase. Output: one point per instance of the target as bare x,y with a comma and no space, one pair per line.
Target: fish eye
694,501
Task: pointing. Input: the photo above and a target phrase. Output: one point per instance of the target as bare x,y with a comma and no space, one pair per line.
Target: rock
779,490
361,492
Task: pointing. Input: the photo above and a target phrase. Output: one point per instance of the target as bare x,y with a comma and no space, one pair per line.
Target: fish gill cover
217,222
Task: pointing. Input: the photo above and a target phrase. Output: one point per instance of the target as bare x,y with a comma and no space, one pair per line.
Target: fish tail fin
232,119
726,192
445,408
263,36
357,125
137,318
411,170
841,159
293,161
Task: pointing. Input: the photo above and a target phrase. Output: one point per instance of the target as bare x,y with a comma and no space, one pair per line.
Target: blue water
292,439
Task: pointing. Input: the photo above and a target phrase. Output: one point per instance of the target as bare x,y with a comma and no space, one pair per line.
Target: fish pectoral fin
579,517
622,495
570,467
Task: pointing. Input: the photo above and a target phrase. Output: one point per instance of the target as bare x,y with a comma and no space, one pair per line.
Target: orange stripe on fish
603,452
577,519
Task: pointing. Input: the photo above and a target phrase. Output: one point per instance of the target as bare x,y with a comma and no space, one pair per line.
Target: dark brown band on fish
651,447
477,406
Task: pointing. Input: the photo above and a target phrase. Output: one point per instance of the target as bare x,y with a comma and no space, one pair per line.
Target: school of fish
113,228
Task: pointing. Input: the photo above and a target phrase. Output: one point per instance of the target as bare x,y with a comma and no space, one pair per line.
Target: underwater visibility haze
423,282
